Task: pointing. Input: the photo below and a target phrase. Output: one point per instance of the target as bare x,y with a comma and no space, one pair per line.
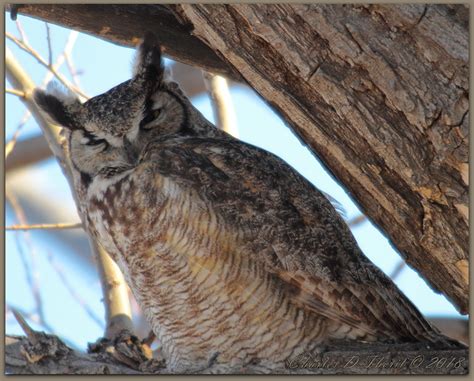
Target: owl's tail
408,324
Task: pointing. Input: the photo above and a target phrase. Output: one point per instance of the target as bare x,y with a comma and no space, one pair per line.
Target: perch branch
337,359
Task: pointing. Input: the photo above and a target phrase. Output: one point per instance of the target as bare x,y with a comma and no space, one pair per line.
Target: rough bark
124,24
50,356
378,92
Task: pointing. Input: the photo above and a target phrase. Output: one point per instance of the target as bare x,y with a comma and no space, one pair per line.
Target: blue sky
104,65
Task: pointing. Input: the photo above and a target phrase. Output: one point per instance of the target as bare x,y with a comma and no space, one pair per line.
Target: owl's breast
200,287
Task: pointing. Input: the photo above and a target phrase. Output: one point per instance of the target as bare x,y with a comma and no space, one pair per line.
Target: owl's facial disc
164,113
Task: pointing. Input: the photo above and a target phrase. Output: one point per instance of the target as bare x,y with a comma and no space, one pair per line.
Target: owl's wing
295,230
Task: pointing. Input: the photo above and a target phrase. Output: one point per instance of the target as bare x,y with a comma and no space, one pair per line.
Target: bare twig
48,77
68,47
224,112
15,92
31,272
116,301
12,143
22,82
59,226
50,49
20,29
18,313
60,271
27,48
398,270
72,70
31,333
357,220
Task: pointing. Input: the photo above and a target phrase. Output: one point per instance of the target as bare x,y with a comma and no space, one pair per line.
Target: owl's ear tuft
58,110
148,62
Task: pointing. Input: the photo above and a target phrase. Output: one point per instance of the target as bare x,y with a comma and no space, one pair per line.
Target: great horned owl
225,246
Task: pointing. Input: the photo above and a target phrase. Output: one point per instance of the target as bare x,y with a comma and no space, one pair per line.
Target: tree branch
117,305
222,106
383,110
58,226
118,312
20,94
21,81
108,22
378,92
48,65
343,358
27,152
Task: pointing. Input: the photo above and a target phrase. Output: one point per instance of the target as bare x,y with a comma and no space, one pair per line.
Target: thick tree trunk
378,92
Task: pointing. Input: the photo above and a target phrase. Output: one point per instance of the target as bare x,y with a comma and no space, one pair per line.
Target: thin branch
30,333
68,47
222,106
27,48
64,279
116,301
357,220
12,143
58,226
50,49
71,40
22,82
20,29
22,315
398,270
15,92
31,272
72,70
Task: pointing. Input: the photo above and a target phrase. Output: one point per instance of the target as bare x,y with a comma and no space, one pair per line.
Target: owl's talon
124,347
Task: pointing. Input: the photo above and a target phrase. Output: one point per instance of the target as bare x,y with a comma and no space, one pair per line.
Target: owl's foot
125,348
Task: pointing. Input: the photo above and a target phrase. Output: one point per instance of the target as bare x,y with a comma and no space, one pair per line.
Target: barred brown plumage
225,246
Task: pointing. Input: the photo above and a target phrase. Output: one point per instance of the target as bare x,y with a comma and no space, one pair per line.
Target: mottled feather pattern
306,233
225,246
192,263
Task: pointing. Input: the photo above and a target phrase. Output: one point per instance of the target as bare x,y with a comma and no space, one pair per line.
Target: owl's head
137,110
